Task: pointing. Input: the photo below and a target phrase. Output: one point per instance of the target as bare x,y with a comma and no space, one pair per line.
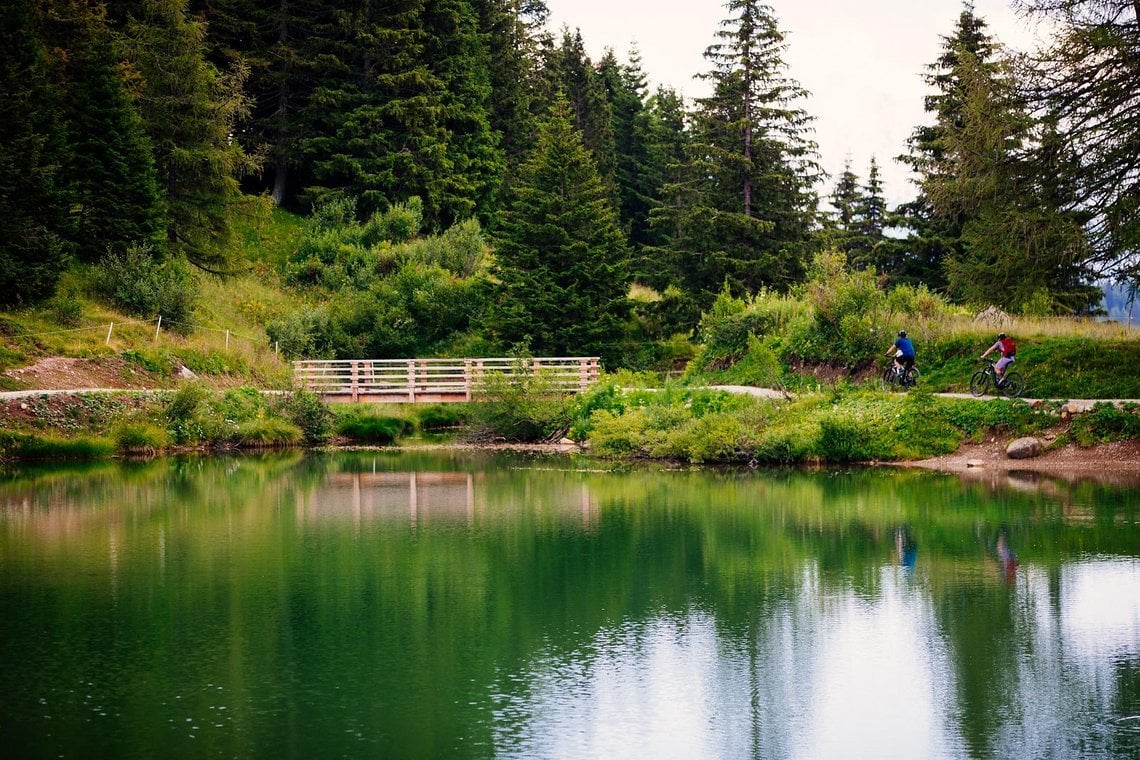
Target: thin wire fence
248,347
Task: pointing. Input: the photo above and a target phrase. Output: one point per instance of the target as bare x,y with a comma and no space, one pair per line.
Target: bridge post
411,381
467,379
354,383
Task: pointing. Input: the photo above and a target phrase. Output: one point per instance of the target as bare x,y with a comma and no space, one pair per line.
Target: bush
1106,423
34,446
139,438
143,284
267,432
399,224
311,415
365,426
441,416
518,407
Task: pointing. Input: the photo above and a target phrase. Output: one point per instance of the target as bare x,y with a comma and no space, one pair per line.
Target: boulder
1024,448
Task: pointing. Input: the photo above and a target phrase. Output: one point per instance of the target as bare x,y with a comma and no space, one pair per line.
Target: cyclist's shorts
1004,362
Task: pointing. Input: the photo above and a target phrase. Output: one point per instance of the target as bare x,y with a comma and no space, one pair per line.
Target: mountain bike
895,379
1011,383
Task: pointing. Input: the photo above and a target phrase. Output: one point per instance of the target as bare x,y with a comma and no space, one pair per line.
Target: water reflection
477,606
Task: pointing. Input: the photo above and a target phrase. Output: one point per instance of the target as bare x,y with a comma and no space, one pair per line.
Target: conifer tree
741,211
870,248
1086,81
110,171
33,225
846,199
577,81
561,260
935,236
191,112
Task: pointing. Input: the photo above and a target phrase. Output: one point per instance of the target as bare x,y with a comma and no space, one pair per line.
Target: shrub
66,308
365,426
311,415
441,416
142,283
34,446
1106,423
267,432
139,438
398,224
518,407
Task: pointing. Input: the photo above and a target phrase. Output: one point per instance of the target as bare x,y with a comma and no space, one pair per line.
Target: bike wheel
911,379
890,377
1014,384
979,382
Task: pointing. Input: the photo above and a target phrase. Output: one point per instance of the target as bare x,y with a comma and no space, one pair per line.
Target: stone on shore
1024,448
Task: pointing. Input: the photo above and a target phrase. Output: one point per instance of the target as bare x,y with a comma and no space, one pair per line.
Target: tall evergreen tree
741,213
460,57
636,179
934,235
110,171
561,261
276,40
1019,248
1086,80
575,79
513,30
374,125
190,111
33,225
871,247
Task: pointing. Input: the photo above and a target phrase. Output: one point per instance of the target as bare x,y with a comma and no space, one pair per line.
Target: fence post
227,340
355,381
411,381
276,349
467,379
158,328
110,327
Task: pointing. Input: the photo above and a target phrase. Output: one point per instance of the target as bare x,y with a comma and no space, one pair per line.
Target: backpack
1008,348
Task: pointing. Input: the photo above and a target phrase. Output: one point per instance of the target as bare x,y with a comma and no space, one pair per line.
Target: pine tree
741,211
561,261
33,225
576,80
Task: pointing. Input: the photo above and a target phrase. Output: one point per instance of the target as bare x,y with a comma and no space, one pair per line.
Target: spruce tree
110,171
846,199
870,248
561,261
1086,81
191,112
576,80
33,226
935,235
740,213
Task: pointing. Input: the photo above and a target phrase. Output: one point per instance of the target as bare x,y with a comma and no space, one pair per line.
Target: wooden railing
435,380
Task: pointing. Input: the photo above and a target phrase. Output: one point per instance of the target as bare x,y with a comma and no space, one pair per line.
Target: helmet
1001,336
902,333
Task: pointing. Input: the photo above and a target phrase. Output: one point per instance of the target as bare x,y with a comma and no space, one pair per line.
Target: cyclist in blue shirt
903,350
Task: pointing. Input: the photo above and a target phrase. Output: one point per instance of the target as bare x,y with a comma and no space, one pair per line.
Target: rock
186,372
1024,448
993,316
567,442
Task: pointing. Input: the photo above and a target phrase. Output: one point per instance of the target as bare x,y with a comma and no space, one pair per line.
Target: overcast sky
862,61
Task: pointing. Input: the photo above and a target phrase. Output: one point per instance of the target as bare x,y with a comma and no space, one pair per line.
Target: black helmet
902,333
1001,336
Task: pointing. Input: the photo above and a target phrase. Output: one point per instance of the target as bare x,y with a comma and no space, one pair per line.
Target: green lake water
457,604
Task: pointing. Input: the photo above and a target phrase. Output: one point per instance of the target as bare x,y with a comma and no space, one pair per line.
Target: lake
471,604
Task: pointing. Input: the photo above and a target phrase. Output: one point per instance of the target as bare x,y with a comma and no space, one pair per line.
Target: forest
471,181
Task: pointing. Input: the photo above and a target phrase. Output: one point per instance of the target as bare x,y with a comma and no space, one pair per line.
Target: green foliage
144,285
139,437
370,427
398,224
311,415
561,265
518,407
267,432
37,446
66,308
1106,423
431,417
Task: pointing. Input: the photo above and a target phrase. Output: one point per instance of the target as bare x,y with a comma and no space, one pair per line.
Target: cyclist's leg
1001,364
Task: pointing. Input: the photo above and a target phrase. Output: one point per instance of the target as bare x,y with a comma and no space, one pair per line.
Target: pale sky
862,61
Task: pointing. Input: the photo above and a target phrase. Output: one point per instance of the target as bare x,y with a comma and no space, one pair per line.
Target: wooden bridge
413,381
